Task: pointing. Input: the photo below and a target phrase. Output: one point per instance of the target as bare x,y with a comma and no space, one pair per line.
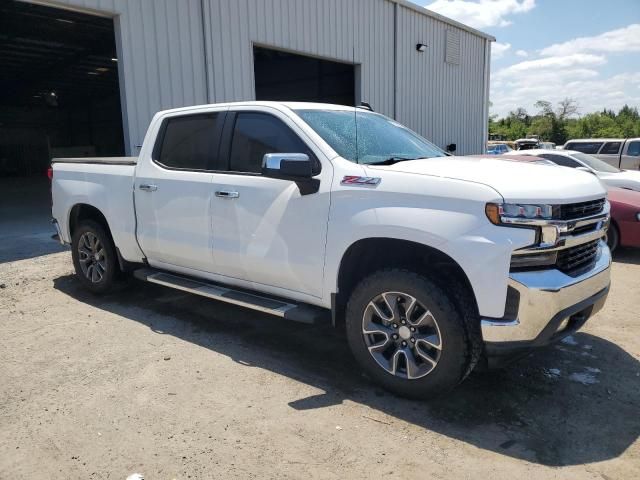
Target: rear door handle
227,194
147,187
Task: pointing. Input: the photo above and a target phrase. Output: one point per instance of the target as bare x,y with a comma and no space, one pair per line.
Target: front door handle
227,194
147,187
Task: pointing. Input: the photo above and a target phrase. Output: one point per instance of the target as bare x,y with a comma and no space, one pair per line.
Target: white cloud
499,49
625,39
575,69
481,13
550,65
554,78
522,53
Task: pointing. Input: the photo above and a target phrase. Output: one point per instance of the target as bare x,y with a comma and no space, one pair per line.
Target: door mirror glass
287,165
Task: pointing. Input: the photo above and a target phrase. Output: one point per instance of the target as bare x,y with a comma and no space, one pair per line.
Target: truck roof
290,105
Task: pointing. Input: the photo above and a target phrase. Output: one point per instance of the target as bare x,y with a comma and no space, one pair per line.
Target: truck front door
264,230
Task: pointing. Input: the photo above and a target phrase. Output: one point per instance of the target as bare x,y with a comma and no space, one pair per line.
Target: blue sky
588,50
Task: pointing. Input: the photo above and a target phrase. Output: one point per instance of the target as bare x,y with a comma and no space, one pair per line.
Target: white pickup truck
433,264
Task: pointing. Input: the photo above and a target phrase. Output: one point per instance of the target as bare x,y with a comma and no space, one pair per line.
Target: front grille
573,259
572,211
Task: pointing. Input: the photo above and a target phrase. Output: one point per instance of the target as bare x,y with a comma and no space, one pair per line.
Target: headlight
496,212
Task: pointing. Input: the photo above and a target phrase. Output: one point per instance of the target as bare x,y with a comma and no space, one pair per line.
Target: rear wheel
94,257
407,335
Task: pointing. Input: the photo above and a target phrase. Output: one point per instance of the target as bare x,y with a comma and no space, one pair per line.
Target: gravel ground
171,385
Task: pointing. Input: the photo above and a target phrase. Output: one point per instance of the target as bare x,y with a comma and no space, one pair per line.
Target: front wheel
407,335
94,257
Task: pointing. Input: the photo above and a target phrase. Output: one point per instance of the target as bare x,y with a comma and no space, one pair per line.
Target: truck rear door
173,191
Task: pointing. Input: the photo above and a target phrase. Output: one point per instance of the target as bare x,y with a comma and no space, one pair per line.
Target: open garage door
59,91
287,76
59,96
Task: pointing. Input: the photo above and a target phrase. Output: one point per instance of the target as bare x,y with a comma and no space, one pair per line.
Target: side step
290,311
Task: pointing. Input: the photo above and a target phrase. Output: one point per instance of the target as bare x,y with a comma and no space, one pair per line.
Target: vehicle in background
618,152
610,176
430,263
624,230
527,143
547,145
498,148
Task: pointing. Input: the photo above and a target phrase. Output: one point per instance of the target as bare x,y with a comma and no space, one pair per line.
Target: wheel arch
367,255
84,211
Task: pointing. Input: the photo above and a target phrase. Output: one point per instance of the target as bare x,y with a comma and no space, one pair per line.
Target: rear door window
634,149
584,147
256,134
611,148
190,142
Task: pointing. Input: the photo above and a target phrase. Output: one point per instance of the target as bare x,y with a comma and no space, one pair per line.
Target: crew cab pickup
623,153
432,264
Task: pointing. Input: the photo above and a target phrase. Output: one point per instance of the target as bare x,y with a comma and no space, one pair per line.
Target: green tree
560,123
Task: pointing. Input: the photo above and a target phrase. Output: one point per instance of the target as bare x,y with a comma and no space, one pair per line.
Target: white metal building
170,53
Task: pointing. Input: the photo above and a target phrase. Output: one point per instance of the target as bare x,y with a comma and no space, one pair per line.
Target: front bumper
547,306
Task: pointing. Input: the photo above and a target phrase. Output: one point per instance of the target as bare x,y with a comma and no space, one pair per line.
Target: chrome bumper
549,297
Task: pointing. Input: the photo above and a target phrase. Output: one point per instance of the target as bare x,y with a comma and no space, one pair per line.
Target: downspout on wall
487,81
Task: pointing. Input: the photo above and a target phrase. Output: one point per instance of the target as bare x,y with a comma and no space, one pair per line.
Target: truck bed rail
98,160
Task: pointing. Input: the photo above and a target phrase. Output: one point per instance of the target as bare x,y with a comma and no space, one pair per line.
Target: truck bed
104,183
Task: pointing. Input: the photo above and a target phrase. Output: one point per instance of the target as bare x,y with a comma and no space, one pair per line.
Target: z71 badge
358,181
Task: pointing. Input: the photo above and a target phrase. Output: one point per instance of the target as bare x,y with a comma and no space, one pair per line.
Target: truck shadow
574,403
627,255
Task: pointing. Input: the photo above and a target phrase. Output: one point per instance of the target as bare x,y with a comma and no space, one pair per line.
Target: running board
290,311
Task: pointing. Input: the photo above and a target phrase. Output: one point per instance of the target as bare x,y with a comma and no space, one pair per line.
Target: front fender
482,250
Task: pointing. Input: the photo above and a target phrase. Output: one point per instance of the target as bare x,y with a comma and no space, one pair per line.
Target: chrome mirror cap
273,161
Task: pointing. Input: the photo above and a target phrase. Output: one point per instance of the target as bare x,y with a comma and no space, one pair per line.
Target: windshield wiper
392,160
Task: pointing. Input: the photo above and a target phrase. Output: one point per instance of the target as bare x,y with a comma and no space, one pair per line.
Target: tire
441,332
613,237
94,257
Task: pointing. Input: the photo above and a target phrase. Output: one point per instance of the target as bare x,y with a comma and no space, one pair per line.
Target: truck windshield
595,163
379,139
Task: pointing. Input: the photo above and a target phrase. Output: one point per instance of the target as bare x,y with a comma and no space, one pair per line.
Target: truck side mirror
451,147
297,167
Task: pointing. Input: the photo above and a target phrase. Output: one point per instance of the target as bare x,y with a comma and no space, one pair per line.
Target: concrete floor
25,218
171,385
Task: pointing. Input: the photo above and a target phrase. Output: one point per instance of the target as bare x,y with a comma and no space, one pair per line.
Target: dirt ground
170,385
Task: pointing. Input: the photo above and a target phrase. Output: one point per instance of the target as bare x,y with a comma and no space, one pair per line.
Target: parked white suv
433,263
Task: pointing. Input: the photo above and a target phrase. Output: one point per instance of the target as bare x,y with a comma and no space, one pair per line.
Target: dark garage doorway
59,96
287,76
59,90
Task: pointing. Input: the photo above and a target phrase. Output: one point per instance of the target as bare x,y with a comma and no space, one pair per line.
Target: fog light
534,260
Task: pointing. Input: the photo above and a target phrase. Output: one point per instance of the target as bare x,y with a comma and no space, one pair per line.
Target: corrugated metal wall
186,52
442,101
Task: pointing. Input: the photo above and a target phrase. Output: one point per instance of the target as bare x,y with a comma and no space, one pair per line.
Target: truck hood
516,181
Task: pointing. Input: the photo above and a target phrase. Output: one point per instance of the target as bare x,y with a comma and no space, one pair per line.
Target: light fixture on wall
421,47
